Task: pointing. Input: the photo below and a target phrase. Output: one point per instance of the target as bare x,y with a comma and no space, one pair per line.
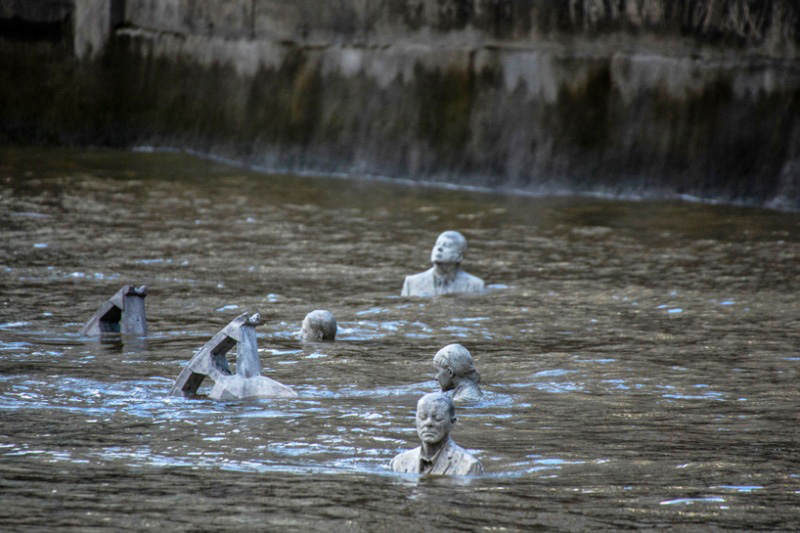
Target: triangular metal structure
211,362
122,313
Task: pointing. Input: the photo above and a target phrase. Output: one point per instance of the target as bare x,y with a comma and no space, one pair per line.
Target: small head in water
454,370
318,325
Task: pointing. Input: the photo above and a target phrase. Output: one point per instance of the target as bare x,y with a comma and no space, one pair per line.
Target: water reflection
638,360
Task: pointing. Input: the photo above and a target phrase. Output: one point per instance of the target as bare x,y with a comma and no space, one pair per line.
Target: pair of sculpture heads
436,416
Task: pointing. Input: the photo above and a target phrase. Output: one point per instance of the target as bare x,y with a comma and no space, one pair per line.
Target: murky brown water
640,360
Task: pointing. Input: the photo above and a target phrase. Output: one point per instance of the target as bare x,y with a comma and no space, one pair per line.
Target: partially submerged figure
122,313
446,276
456,373
438,454
211,362
318,325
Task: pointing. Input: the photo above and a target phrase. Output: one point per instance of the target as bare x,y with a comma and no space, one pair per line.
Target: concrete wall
35,11
644,96
769,27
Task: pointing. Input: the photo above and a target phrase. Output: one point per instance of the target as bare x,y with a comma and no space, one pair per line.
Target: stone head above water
319,325
450,247
455,371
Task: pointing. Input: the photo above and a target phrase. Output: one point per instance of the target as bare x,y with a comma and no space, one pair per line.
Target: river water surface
639,360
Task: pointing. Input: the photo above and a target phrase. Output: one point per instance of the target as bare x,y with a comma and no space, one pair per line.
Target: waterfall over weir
631,97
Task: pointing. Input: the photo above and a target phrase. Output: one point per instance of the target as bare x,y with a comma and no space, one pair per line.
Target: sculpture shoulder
408,461
418,284
463,463
420,277
469,282
470,393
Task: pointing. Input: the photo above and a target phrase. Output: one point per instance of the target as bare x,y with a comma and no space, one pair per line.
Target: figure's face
309,333
447,250
444,376
433,421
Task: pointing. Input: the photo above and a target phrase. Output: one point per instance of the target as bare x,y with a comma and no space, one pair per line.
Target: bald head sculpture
446,276
318,326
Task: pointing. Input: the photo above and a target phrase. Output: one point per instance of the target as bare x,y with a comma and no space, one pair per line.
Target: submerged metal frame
211,360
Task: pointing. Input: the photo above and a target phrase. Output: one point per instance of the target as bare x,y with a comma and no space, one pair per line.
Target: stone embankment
621,96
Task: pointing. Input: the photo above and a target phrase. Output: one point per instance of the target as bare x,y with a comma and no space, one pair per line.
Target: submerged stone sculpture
122,313
211,362
446,276
318,325
438,454
456,373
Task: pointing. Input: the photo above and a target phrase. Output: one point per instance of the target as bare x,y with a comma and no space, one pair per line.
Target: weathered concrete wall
770,27
687,97
228,18
24,20
92,24
35,11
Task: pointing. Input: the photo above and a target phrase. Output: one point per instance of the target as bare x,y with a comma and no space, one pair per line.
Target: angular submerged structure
122,313
211,362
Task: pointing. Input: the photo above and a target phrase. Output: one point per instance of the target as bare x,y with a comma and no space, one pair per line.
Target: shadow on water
639,359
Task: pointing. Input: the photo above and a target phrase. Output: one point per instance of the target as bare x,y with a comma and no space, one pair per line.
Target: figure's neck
465,386
430,451
461,383
447,271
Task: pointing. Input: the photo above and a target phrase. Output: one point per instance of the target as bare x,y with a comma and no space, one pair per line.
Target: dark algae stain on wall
445,107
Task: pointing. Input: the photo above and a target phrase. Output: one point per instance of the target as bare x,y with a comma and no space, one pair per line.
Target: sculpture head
319,325
449,248
453,363
436,416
